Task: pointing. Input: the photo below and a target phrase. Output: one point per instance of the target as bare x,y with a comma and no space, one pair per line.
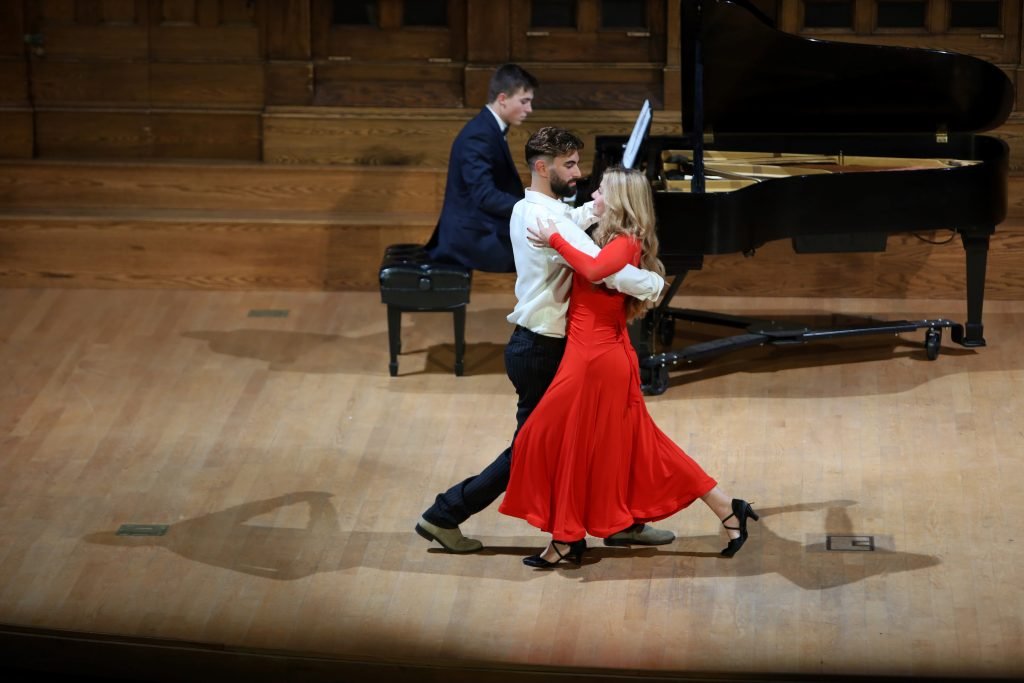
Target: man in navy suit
483,183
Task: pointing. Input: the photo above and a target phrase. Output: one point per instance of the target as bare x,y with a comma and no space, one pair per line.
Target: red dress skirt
589,459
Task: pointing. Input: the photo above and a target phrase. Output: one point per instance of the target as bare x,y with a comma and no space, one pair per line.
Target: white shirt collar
554,205
501,124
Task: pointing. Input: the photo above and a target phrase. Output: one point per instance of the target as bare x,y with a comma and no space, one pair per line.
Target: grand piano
832,145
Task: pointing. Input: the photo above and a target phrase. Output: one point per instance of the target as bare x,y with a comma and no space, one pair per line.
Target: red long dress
590,459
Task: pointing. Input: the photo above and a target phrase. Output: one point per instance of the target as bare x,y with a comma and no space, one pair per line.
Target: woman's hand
541,235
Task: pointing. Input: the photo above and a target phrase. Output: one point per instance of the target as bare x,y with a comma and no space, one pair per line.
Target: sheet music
637,136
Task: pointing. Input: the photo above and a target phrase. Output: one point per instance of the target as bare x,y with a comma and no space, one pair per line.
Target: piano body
833,145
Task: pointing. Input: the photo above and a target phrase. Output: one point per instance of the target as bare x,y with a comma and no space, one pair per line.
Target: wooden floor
290,469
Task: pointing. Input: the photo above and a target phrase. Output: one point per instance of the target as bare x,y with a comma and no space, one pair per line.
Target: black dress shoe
574,553
740,510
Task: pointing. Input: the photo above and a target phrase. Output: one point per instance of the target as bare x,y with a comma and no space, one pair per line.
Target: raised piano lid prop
832,145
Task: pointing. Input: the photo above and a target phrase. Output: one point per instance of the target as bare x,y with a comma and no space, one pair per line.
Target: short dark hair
509,79
552,142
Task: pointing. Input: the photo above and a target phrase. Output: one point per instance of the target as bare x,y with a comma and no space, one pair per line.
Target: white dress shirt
543,279
501,122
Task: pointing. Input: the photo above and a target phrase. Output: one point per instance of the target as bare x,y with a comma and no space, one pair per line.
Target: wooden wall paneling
351,84
213,85
92,133
350,260
673,16
613,86
555,45
1013,12
1000,45
790,16
1013,133
389,39
221,189
367,43
289,71
363,137
131,214
289,83
136,253
587,41
865,15
92,83
476,82
90,54
671,79
320,28
260,252
207,58
16,120
12,30
1015,204
83,31
13,82
422,137
209,31
95,42
221,43
288,30
1018,68
458,25
206,135
16,133
909,268
671,75
1017,78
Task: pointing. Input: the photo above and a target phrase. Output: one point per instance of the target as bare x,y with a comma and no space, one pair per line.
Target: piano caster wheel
932,342
393,369
458,369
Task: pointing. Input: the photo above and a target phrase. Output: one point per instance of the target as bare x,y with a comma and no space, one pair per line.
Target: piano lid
758,79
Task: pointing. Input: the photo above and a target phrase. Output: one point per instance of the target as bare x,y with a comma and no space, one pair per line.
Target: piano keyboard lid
759,80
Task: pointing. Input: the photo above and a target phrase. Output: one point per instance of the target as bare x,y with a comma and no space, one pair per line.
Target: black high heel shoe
740,510
573,554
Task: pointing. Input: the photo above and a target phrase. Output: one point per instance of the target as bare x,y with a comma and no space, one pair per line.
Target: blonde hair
629,210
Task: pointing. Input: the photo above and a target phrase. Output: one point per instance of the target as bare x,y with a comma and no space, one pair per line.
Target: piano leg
658,321
976,247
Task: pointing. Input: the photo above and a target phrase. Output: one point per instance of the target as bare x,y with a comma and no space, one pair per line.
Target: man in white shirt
534,351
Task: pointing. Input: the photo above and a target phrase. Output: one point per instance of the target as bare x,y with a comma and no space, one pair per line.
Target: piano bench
411,282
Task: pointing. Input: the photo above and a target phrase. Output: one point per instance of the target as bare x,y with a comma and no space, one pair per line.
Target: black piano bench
411,282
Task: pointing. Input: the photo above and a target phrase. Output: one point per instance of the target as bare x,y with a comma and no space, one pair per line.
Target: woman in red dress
590,459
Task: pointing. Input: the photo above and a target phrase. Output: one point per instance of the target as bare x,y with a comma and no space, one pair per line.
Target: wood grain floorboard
290,469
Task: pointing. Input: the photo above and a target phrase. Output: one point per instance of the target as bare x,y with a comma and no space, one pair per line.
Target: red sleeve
615,255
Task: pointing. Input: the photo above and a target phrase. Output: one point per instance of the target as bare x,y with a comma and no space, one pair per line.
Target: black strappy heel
573,554
740,510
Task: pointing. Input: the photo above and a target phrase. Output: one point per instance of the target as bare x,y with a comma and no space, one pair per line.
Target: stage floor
263,430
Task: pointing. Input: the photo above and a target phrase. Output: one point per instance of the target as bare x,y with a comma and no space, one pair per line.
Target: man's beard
562,188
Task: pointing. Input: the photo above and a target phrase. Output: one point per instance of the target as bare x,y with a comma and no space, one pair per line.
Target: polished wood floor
290,469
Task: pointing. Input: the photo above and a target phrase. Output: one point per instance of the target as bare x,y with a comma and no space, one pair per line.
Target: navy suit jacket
483,185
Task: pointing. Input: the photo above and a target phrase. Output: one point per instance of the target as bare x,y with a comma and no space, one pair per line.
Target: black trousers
531,361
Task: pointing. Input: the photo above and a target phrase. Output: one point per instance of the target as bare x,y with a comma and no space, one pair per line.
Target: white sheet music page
637,136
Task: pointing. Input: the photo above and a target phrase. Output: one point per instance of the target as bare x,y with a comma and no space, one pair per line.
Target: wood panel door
389,53
592,54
